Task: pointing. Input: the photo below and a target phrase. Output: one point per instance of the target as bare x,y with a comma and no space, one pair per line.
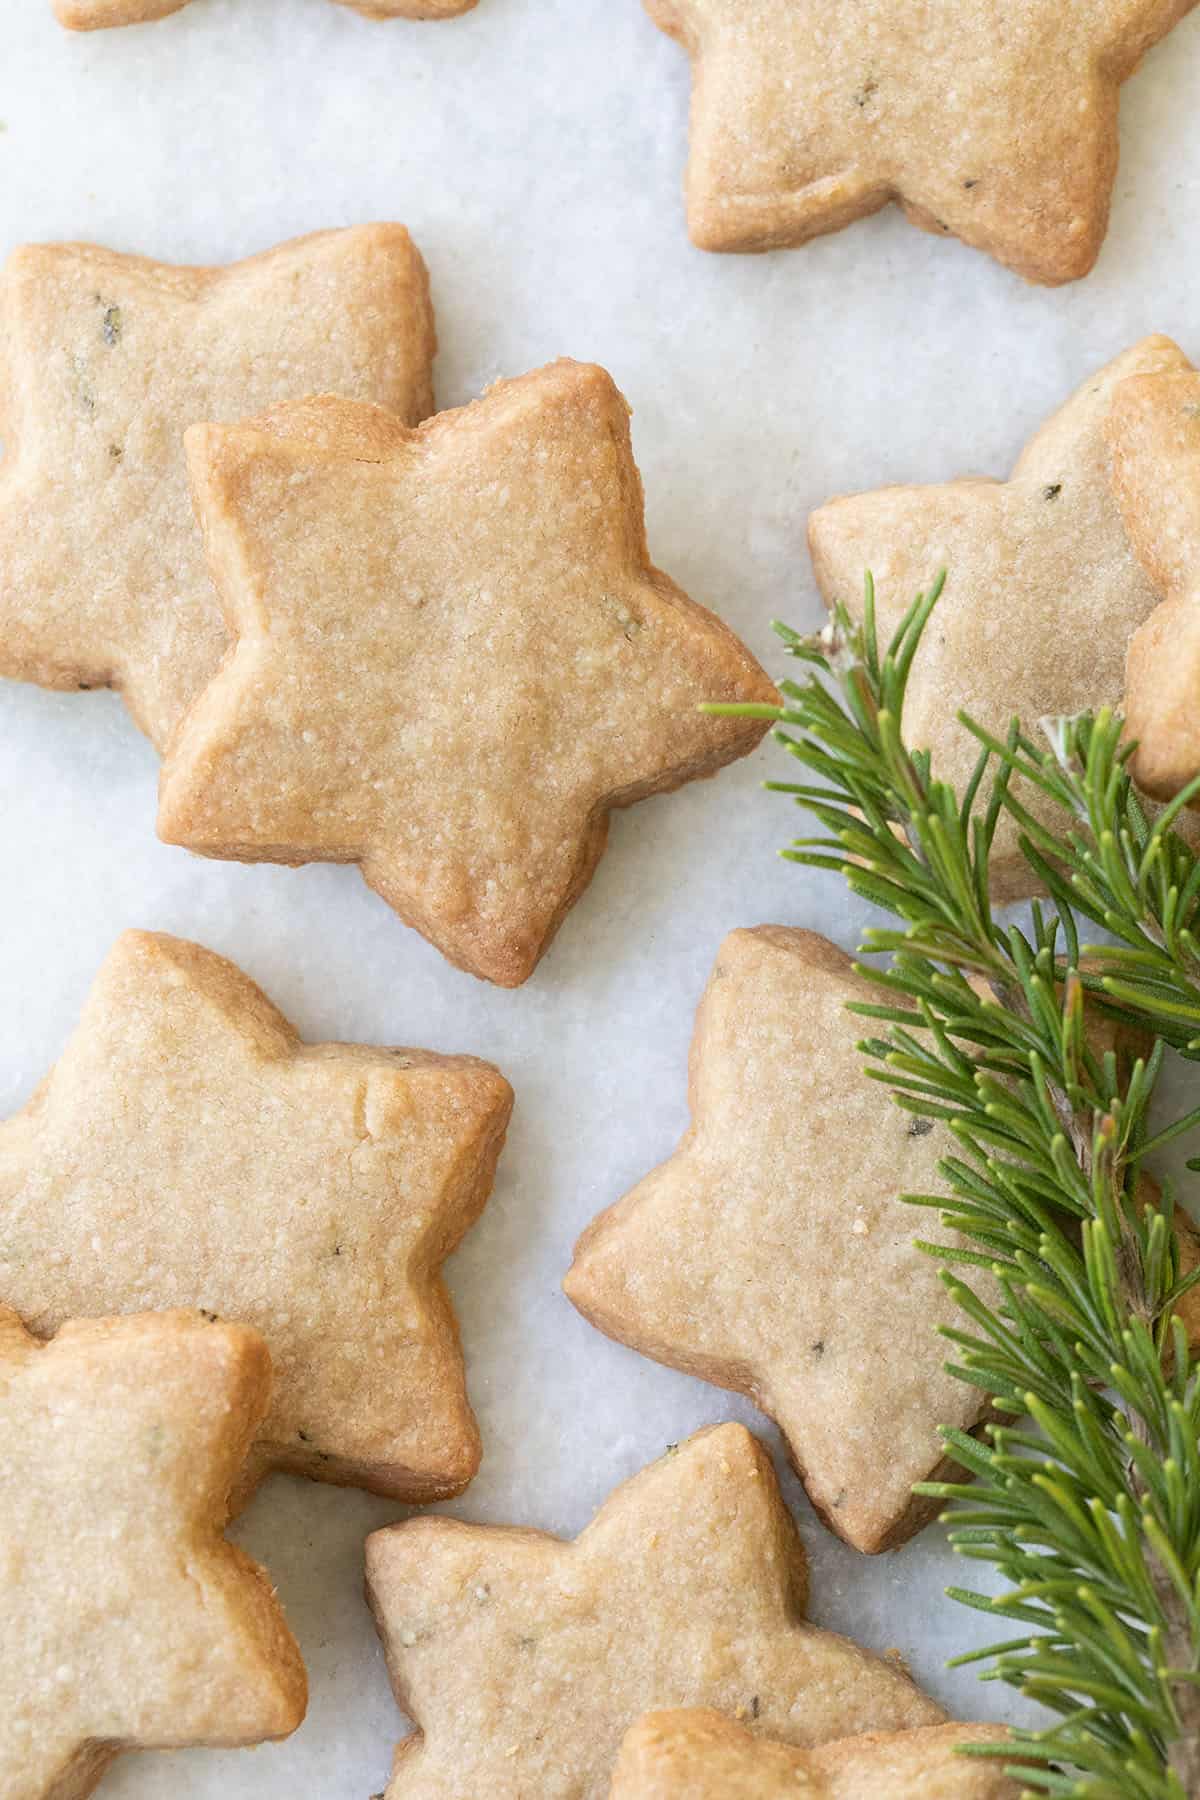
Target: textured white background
535,149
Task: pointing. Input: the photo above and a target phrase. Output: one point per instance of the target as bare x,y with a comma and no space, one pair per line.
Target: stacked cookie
438,650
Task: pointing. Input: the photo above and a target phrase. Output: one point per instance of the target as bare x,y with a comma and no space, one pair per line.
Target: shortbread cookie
454,657
1038,568
1154,433
188,1148
524,1659
90,15
127,1621
703,1755
991,122
771,1253
105,360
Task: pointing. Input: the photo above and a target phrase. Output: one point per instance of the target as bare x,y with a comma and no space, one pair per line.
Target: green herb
1086,1496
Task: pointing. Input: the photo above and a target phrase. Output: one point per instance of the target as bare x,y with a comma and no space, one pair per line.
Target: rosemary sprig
1086,1496
1138,878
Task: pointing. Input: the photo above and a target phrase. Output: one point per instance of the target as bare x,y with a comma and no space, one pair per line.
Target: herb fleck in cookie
127,1621
702,1755
453,657
1036,566
90,15
991,122
772,1254
524,1659
1154,432
189,1149
105,360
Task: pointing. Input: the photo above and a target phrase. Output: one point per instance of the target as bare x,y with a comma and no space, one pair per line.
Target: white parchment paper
535,150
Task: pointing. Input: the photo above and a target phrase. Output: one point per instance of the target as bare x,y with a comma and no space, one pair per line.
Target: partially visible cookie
189,1149
524,1659
1038,567
1154,436
702,1755
454,657
90,15
992,122
105,360
772,1253
93,15
127,1621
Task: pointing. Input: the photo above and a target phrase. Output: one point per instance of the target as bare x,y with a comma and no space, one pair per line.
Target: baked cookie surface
453,657
105,360
1154,434
698,1754
189,1149
127,1620
1037,566
91,15
992,121
771,1253
702,1755
524,1659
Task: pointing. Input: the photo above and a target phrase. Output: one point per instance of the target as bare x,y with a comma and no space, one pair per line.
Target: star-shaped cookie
699,1754
771,1253
105,360
453,658
128,1622
1154,433
1043,590
992,122
525,1659
189,1149
91,15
